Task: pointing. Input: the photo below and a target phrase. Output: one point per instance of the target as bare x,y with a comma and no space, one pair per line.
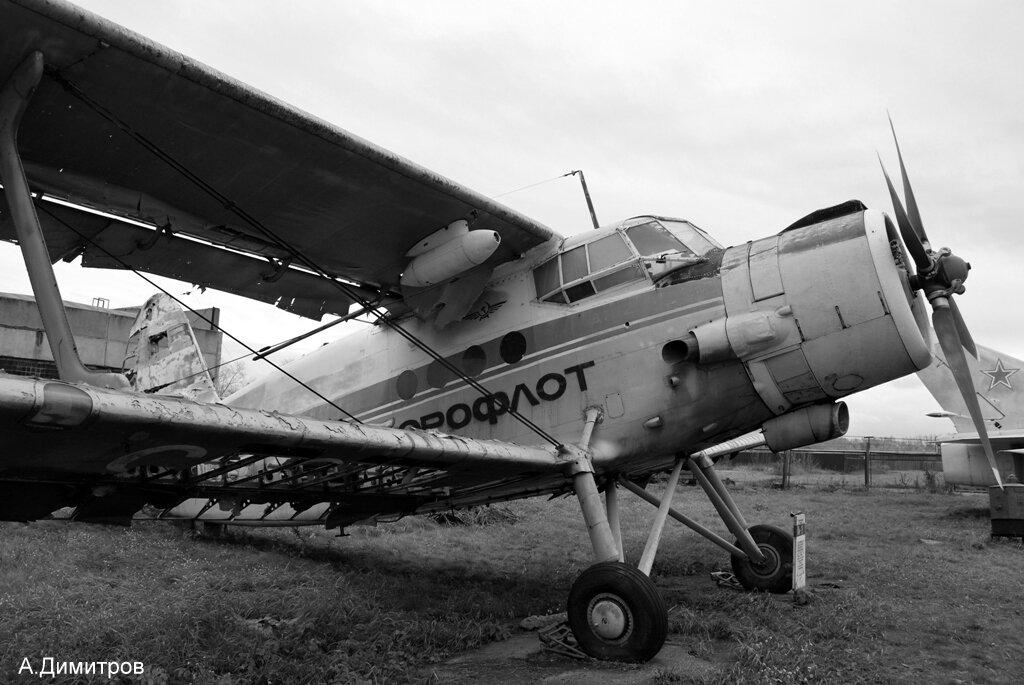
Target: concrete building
100,333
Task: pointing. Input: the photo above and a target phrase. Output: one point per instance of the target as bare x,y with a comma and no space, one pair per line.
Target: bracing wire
198,314
158,388
257,225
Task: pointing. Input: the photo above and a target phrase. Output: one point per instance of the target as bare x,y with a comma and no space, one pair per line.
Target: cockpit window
694,238
587,270
652,239
574,264
546,277
607,251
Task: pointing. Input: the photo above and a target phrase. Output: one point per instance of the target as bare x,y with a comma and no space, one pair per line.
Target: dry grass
906,585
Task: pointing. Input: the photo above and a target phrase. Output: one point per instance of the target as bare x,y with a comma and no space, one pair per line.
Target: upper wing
112,452
125,125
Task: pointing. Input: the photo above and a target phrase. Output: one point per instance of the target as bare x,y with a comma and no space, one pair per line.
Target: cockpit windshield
649,248
651,239
695,239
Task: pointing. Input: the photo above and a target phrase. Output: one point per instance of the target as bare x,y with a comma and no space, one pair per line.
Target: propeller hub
952,268
946,276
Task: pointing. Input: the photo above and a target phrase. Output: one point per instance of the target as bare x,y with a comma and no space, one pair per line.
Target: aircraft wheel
776,573
616,613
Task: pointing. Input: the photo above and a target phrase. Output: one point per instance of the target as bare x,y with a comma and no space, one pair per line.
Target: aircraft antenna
586,194
574,172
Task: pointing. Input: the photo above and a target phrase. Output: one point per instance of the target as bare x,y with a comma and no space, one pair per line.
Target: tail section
1000,389
999,383
163,354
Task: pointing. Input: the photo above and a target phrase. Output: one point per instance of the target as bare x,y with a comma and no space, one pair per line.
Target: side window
631,272
545,277
574,264
607,252
587,270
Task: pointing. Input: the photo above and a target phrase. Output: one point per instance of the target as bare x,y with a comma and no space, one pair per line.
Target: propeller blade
961,329
946,330
910,237
912,212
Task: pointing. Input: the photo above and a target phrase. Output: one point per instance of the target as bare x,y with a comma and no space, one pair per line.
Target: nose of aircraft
821,310
832,305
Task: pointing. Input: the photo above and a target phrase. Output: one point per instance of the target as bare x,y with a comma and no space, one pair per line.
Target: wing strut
16,93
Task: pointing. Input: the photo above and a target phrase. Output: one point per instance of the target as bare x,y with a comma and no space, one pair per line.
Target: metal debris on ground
537,622
558,638
726,579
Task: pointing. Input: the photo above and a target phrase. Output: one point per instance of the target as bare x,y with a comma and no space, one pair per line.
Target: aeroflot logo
548,388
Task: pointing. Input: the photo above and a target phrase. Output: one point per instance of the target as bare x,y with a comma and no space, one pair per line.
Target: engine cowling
819,311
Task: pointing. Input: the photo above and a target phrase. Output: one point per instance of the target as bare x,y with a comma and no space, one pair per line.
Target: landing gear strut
614,610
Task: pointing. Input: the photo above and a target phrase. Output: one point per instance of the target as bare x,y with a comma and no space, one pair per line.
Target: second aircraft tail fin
163,354
1000,390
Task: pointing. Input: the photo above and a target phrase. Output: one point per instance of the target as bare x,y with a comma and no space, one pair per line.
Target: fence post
867,462
786,468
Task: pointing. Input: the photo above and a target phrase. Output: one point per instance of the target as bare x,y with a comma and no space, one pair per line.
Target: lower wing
109,453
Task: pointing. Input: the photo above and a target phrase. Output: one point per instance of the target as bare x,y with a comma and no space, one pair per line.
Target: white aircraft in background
1000,394
507,361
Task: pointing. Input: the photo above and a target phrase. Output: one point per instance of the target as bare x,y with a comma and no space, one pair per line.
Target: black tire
617,614
775,575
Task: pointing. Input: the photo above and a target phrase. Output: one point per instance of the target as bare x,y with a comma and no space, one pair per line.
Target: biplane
505,360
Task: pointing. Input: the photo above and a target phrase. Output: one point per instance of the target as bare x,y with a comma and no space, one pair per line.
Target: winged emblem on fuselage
484,311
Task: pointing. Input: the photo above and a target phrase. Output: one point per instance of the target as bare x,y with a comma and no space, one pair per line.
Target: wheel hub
609,617
771,561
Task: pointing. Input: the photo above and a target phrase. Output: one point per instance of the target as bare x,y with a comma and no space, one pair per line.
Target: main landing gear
614,610
616,613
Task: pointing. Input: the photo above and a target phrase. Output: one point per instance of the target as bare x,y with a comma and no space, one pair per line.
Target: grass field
906,587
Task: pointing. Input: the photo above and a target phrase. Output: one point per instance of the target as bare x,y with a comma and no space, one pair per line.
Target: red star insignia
1000,375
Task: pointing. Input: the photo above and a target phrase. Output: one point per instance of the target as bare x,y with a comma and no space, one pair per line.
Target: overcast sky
741,117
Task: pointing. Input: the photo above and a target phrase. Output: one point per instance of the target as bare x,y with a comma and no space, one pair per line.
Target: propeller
941,275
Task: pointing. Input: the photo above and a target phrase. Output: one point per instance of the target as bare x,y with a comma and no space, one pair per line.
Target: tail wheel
775,574
617,614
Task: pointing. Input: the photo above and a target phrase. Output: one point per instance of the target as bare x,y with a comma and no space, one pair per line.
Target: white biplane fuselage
553,335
